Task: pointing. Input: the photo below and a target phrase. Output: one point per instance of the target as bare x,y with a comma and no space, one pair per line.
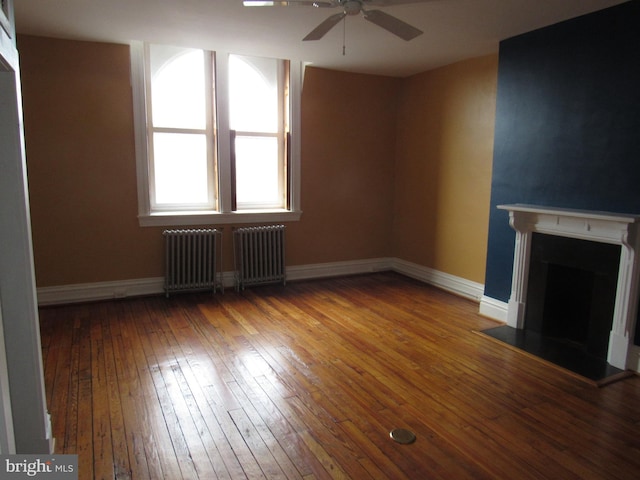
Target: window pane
177,87
180,168
253,94
257,172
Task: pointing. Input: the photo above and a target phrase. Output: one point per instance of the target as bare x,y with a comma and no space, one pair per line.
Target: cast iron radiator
259,255
192,260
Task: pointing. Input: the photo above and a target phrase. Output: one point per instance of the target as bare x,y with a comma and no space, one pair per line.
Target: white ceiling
454,29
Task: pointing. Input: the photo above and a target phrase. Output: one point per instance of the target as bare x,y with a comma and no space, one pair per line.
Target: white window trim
147,218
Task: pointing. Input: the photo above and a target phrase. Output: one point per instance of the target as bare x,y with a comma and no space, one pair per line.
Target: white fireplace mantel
604,227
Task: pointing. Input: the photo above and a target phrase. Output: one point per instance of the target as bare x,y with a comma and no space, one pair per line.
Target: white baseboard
88,292
494,309
338,269
445,281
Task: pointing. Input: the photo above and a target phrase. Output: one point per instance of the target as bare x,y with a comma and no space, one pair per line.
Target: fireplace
571,291
575,277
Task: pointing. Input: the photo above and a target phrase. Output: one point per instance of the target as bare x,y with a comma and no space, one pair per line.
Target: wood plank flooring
306,381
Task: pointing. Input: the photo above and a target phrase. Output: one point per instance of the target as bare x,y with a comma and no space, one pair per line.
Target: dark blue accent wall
567,125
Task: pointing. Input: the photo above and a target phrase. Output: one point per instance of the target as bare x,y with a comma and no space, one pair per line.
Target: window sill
171,219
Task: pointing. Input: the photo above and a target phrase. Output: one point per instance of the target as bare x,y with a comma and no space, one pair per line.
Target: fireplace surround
602,227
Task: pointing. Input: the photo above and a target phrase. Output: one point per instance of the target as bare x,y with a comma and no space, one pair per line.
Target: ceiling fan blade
328,3
321,30
392,24
389,3
307,3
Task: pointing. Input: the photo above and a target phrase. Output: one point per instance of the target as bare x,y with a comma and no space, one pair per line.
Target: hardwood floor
306,381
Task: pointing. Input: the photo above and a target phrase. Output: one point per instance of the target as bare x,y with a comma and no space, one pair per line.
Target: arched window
215,148
181,144
259,132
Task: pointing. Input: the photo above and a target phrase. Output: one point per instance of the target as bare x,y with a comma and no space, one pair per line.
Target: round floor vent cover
403,436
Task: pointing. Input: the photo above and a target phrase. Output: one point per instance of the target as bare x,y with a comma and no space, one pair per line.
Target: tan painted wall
443,167
81,160
81,164
348,143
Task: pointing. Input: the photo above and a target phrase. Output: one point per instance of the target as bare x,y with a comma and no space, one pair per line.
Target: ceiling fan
351,7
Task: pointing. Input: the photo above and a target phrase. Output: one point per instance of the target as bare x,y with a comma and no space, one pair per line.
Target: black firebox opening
571,291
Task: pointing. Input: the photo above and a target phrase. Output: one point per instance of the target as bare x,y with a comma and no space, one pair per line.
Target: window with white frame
217,137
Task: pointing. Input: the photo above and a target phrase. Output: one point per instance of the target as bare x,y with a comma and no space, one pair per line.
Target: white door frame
20,327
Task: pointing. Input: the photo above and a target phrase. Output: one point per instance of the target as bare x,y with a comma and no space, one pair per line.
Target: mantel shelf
569,212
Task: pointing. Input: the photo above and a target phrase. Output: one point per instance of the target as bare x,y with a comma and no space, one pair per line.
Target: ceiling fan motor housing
352,7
